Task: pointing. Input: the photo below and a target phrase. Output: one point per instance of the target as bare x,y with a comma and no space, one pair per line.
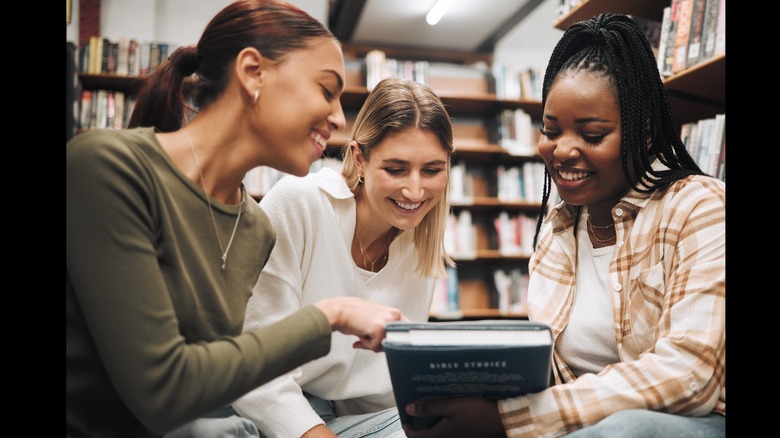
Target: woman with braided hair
164,247
628,270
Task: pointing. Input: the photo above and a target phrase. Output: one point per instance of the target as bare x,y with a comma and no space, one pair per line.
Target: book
494,359
671,40
695,34
720,32
684,20
666,25
709,29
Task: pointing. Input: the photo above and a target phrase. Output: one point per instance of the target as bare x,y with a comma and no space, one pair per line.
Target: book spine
684,20
666,24
694,40
709,29
453,291
720,35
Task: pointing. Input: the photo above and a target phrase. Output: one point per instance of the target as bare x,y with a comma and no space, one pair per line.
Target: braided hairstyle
273,27
616,46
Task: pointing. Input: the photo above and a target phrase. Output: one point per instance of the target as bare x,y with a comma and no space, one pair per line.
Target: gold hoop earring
256,97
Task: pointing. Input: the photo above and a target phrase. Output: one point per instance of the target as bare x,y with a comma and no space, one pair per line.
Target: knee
625,424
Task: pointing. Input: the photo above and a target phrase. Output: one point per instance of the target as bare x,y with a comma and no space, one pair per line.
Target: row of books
125,57
260,179
525,84
519,183
517,132
511,286
692,31
705,140
514,234
378,66
565,6
460,235
477,78
104,109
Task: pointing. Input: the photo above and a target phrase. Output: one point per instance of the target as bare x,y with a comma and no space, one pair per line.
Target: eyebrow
338,77
400,161
580,120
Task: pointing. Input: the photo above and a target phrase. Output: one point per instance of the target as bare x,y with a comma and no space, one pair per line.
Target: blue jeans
640,423
226,423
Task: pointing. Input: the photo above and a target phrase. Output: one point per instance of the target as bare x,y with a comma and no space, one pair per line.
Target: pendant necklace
593,231
366,258
211,210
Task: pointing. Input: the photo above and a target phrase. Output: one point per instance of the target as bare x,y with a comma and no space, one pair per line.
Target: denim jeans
640,423
226,423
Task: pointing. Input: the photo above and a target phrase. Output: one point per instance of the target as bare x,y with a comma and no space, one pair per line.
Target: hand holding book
491,359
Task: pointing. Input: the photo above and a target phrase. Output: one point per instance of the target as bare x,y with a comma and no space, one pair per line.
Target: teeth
319,139
572,176
408,206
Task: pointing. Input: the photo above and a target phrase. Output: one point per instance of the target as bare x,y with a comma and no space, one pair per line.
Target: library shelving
695,93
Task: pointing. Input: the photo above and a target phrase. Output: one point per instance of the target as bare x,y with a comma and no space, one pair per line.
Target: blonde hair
396,105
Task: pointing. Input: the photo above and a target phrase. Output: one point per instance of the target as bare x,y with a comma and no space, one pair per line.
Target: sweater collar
332,183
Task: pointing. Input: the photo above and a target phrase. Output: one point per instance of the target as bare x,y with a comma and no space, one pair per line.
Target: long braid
614,45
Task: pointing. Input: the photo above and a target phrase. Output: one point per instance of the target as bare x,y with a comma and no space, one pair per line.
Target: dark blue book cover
494,359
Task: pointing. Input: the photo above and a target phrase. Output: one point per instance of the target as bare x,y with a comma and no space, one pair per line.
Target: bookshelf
695,93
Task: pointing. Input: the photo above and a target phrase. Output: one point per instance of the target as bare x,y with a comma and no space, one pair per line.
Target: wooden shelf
489,203
469,105
486,255
652,9
698,92
127,84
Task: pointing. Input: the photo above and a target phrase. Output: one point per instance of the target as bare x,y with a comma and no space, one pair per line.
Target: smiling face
405,178
300,105
580,141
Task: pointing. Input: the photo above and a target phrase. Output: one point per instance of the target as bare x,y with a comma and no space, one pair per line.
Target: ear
249,67
357,156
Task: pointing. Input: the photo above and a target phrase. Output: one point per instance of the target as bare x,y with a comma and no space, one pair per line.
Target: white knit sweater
314,217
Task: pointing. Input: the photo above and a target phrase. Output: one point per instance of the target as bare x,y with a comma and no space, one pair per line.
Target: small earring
360,178
256,97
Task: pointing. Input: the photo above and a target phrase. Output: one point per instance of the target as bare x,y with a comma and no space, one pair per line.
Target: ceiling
468,25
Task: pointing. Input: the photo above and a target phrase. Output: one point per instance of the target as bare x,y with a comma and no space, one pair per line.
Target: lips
408,205
319,139
572,176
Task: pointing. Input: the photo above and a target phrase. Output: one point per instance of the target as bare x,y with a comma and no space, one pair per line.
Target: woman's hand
363,318
462,417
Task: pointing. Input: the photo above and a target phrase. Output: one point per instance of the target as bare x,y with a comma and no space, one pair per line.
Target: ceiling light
437,11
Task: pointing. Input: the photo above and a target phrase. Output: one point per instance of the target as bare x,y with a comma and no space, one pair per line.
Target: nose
567,148
336,119
413,189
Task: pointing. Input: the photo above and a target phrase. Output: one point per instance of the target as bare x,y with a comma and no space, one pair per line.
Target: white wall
177,22
531,43
180,22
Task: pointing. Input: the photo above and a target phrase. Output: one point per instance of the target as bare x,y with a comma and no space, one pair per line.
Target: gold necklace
366,258
593,232
211,209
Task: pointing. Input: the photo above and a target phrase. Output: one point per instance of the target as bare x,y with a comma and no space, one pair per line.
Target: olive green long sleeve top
153,324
